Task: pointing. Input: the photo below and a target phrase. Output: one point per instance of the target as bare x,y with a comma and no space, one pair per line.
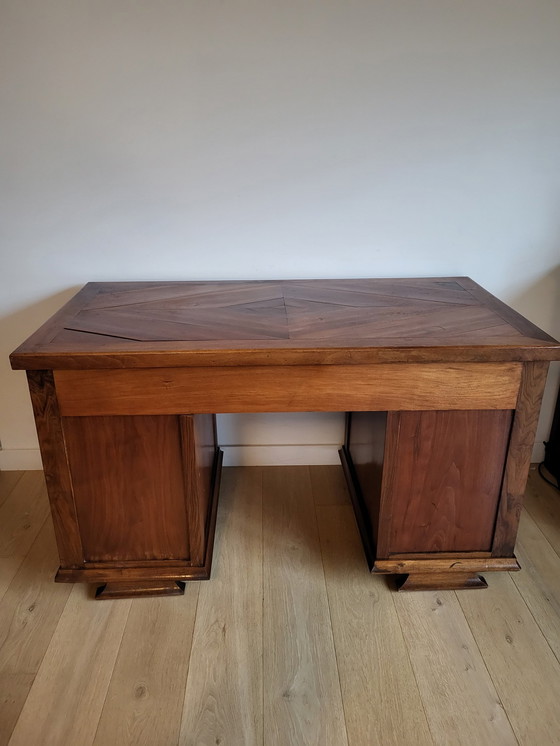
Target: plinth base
445,581
146,588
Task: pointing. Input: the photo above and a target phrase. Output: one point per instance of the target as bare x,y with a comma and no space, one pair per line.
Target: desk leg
519,457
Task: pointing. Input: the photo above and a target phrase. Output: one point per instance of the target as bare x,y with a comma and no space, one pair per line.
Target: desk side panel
362,460
442,481
199,446
127,476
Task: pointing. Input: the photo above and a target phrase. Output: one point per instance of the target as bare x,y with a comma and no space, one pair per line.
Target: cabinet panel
442,481
364,451
199,453
129,488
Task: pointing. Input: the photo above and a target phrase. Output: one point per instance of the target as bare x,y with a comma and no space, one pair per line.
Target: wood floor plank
302,698
382,703
14,688
66,699
542,502
240,692
29,614
459,698
8,480
539,579
328,485
21,517
223,697
145,697
518,659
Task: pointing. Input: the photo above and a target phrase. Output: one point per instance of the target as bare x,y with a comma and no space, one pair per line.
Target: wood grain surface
67,696
319,388
461,563
517,659
478,668
127,477
145,696
115,440
520,448
450,669
113,325
543,506
55,465
299,655
199,447
443,480
22,516
328,485
224,693
539,583
29,613
8,480
382,704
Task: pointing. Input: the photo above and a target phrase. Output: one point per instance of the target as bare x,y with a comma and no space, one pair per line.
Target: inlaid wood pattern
268,322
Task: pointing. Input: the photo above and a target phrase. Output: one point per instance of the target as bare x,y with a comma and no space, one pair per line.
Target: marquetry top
163,324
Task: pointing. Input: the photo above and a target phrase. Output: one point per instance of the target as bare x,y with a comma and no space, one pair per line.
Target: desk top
175,324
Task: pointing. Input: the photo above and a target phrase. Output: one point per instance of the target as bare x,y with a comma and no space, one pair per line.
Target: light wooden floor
292,642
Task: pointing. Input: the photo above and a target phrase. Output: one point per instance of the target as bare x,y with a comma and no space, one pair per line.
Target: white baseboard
538,453
269,455
16,459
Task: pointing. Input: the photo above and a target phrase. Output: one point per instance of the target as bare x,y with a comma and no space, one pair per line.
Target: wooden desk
441,381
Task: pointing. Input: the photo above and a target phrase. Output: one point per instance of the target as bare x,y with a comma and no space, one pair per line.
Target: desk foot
136,589
445,581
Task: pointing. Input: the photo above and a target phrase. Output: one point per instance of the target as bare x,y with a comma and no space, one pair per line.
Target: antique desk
441,381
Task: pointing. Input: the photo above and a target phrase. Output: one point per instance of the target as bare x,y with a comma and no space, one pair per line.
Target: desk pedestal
133,498
438,494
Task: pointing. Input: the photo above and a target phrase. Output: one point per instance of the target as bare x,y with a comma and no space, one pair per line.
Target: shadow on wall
540,302
17,427
17,326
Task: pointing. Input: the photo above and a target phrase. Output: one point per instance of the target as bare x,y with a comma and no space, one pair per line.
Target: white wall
186,139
